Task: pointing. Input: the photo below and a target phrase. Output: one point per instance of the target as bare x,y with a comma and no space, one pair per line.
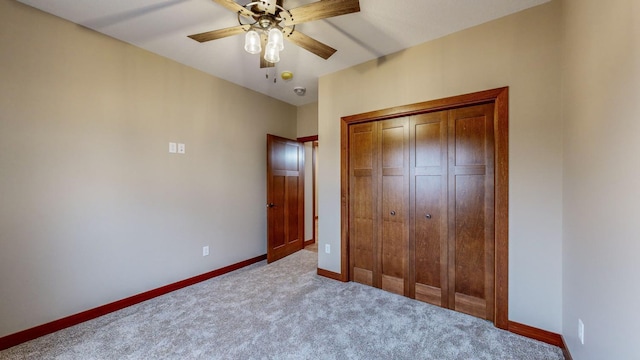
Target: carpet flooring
283,311
313,247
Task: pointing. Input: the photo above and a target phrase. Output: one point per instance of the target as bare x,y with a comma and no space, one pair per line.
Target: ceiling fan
267,22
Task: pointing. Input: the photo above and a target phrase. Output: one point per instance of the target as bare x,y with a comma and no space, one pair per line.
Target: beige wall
93,207
601,103
307,120
521,51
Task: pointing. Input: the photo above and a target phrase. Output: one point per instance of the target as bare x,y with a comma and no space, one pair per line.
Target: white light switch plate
173,147
327,248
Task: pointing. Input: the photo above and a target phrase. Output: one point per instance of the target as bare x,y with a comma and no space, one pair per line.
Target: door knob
428,216
393,212
270,205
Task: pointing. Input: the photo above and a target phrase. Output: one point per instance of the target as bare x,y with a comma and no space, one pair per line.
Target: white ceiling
381,27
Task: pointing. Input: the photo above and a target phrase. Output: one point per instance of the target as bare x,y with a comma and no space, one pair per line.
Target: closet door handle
393,212
428,216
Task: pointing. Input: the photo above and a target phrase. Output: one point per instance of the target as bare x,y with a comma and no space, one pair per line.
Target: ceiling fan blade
311,44
264,63
219,34
321,10
271,7
236,8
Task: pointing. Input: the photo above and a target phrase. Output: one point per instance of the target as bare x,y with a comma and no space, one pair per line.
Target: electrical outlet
205,251
581,331
327,249
181,148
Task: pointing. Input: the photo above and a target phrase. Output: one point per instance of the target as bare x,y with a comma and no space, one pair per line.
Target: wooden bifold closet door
379,210
421,207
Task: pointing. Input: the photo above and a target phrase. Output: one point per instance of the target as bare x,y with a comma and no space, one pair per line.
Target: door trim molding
307,138
314,190
500,97
331,275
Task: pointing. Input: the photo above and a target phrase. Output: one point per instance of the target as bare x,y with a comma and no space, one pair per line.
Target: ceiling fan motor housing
266,21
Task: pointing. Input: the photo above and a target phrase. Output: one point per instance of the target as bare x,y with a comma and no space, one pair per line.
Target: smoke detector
299,90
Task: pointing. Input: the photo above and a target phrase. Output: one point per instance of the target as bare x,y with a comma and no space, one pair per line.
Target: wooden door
471,269
285,197
379,205
421,207
456,213
428,183
363,212
393,230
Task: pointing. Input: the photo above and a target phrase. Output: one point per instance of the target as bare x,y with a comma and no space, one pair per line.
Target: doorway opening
291,196
310,192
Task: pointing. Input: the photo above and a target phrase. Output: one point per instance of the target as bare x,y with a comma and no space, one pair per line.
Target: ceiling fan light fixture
275,36
267,21
252,42
272,54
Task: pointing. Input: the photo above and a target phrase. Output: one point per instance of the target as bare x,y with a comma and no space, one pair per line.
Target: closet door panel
362,201
428,243
470,245
428,201
471,208
394,209
363,231
393,228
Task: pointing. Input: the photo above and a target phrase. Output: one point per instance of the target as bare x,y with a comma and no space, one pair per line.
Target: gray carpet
283,311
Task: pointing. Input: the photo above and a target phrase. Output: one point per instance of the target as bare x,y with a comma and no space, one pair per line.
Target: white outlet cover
181,149
581,331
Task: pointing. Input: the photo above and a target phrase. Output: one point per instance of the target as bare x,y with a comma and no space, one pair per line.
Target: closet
421,206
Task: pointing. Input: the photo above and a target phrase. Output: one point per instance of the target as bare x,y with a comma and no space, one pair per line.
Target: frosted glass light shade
252,42
272,54
275,36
